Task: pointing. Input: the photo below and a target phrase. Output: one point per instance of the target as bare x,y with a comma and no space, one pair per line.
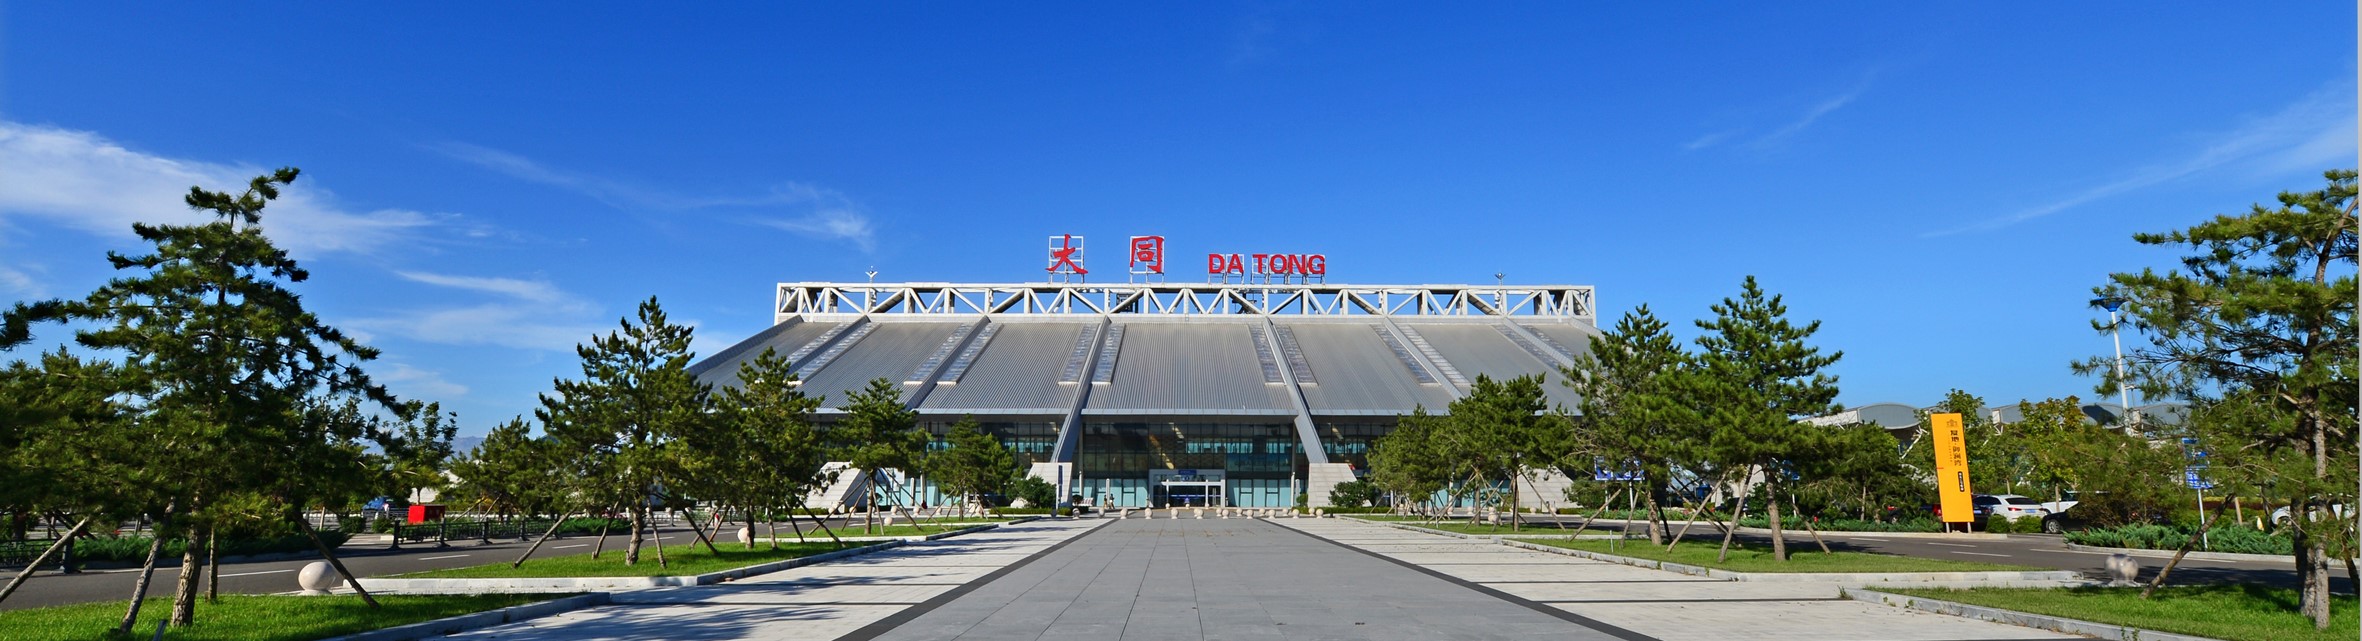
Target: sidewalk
1663,605
823,601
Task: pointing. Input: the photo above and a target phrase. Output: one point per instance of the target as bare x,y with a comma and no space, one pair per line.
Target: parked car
2072,498
2069,519
2008,506
2280,516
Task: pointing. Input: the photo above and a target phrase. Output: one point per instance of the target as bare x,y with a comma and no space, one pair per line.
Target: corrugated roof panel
1419,342
959,366
1541,353
1480,349
1018,370
1574,339
889,352
1295,356
1359,373
1077,353
1186,366
1403,355
722,369
834,350
926,368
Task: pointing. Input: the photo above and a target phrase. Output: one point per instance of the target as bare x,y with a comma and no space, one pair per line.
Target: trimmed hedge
2238,539
1858,525
134,549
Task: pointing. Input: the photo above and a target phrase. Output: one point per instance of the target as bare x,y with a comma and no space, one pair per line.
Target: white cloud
532,315
412,382
828,215
1813,115
81,180
2309,135
530,290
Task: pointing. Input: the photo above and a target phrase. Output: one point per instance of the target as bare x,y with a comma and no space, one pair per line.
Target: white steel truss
1214,299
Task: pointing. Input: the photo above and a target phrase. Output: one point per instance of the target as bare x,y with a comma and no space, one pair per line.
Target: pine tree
1756,379
221,357
772,419
1632,416
635,398
877,433
2258,306
972,463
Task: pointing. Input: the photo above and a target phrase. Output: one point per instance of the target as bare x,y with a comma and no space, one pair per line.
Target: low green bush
2235,538
1849,525
134,549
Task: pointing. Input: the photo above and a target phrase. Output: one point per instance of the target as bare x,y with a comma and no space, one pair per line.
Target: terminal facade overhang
1333,364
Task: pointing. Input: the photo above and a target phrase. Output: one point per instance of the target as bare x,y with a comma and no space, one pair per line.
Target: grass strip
683,560
251,617
1758,558
2229,612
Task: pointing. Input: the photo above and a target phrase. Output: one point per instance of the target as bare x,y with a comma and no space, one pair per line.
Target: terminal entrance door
1187,488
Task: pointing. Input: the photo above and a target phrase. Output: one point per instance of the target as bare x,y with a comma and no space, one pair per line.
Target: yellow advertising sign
1951,468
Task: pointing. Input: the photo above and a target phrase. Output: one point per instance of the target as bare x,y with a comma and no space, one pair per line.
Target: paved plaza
1239,579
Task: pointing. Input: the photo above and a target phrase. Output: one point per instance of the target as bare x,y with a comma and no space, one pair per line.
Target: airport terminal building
1240,391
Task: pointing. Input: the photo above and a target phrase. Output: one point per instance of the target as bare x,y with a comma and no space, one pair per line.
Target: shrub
134,549
2234,538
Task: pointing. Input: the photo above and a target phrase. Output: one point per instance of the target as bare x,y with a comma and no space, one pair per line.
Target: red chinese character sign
1066,255
1148,255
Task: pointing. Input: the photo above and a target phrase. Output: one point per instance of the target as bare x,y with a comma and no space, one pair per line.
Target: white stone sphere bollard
746,534
316,578
2123,569
1200,513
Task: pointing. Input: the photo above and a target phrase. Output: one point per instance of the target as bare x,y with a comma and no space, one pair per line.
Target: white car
2008,506
2280,516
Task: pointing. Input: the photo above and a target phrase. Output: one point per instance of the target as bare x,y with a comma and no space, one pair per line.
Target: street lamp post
2123,385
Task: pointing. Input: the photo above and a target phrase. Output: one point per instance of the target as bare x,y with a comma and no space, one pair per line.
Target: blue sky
1940,184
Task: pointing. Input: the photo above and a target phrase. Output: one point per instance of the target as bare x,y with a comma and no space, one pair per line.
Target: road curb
2039,578
1479,537
587,584
485,619
2013,617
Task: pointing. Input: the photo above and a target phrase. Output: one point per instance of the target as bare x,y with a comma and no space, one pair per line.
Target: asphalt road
365,559
2037,550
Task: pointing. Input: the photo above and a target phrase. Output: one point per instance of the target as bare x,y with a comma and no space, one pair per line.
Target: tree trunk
1779,542
139,589
54,549
1815,531
192,570
2178,554
213,566
1656,530
631,550
333,562
553,530
750,531
2312,571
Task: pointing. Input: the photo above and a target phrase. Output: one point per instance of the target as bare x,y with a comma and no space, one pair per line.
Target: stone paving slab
1227,579
1663,605
824,601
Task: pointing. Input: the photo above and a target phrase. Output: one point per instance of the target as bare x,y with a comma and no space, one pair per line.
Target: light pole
2123,385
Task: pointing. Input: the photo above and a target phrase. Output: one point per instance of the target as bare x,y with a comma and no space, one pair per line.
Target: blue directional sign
2191,478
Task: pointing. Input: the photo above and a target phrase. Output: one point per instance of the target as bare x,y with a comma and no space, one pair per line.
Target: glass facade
1349,441
1256,460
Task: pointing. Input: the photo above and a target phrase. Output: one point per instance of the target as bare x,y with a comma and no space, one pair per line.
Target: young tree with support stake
1756,379
635,398
972,464
1631,412
219,358
877,433
770,420
2264,303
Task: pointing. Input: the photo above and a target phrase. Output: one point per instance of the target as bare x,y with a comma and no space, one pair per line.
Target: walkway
821,601
1658,604
1227,579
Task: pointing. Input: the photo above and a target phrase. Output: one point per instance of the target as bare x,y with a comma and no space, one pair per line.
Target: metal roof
890,351
1478,348
1017,370
1358,373
1186,366
785,338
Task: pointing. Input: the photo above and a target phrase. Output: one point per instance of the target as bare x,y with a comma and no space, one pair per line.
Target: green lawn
1801,558
1527,529
2230,612
685,559
251,617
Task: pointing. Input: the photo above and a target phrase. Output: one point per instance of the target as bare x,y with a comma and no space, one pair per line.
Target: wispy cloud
17,282
1251,40
1794,125
821,213
2314,132
523,314
412,382
84,181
